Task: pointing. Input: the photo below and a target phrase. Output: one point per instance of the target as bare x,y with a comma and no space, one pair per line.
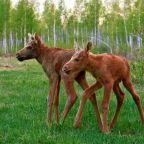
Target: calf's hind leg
127,83
71,97
56,102
105,105
120,97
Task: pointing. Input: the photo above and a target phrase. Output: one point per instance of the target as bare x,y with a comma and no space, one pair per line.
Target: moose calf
52,61
109,70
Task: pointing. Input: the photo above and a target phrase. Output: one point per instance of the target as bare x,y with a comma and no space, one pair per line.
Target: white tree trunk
4,41
126,35
54,32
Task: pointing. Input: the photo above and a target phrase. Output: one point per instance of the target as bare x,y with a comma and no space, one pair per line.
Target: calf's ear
89,46
29,35
76,46
37,38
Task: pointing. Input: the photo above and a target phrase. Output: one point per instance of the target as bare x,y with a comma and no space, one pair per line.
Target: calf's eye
29,47
77,60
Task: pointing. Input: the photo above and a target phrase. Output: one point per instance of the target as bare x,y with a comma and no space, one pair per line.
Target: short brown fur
109,70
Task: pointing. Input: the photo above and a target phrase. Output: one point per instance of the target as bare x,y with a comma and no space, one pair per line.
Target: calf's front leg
87,93
81,79
53,80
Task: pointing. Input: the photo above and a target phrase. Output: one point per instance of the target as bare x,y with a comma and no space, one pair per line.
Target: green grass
23,112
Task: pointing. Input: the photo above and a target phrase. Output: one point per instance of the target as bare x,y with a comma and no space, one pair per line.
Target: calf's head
78,61
31,50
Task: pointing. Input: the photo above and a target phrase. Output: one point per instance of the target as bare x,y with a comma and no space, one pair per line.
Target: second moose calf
109,70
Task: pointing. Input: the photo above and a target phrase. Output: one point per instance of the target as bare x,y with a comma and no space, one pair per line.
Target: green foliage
4,15
137,73
24,19
114,28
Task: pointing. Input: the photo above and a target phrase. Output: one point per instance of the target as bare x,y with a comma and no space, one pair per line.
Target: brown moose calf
109,70
52,61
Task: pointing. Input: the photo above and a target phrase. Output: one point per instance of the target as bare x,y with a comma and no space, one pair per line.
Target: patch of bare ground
9,63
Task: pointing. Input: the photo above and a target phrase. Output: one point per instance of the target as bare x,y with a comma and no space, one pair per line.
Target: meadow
23,110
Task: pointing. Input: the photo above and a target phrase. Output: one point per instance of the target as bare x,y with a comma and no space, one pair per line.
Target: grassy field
23,111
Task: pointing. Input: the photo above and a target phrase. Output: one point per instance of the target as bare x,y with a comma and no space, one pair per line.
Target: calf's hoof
100,125
57,123
76,124
49,124
106,131
111,126
143,119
